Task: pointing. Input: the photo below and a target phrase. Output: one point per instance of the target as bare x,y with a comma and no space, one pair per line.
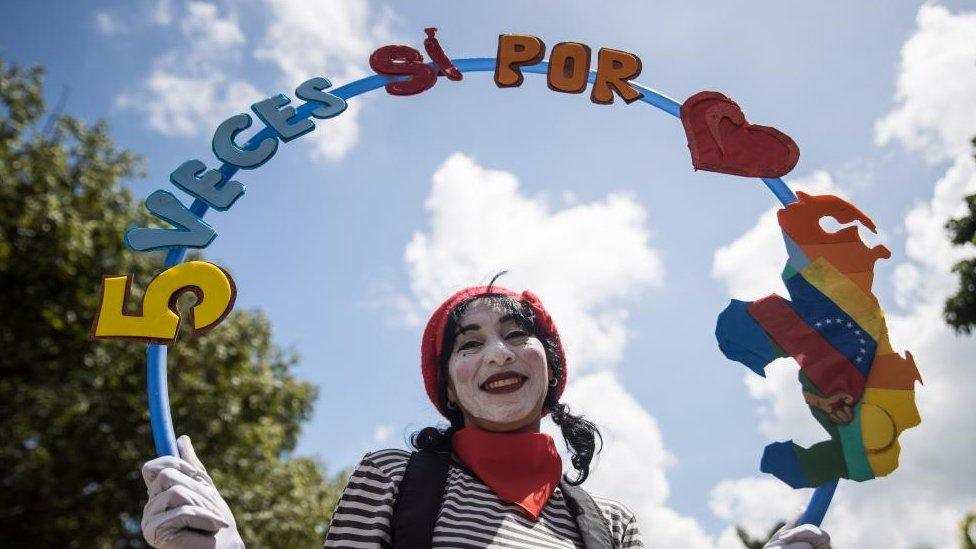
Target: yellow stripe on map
862,307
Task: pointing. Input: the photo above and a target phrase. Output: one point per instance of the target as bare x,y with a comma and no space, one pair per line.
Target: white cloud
940,459
181,105
633,467
761,248
945,359
922,501
755,503
586,262
106,23
782,415
333,39
936,110
308,38
188,93
928,244
162,12
159,13
212,35
381,433
190,88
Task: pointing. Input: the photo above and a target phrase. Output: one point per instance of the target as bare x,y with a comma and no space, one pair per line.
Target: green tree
960,309
74,430
967,531
757,543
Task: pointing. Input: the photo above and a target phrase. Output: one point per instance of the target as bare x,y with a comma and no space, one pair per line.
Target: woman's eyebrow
502,320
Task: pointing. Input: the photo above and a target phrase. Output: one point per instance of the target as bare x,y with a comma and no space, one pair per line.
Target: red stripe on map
827,368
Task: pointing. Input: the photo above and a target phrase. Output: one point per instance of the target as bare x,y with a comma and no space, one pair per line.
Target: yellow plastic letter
158,321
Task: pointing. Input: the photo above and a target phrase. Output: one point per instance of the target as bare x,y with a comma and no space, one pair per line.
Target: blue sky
346,238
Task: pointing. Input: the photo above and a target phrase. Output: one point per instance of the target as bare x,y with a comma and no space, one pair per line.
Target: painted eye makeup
468,345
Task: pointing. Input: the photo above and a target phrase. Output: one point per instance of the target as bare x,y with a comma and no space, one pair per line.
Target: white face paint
498,371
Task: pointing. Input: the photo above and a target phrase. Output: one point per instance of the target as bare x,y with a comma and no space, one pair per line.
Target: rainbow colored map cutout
859,389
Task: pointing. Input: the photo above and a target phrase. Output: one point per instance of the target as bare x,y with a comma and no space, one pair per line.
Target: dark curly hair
582,437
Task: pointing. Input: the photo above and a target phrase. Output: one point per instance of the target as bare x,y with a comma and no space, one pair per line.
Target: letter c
227,150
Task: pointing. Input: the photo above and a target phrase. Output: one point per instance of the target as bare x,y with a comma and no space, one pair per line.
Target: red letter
402,60
437,55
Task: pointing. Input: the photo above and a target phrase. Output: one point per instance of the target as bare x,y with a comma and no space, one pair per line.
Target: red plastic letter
437,55
399,61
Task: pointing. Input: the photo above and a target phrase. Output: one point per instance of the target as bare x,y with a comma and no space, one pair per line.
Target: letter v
190,231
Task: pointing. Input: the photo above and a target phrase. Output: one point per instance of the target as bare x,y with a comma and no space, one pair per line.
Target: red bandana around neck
520,468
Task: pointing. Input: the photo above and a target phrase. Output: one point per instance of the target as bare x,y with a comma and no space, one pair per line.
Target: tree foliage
960,309
967,531
74,430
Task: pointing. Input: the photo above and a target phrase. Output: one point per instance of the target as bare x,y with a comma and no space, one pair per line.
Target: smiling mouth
503,383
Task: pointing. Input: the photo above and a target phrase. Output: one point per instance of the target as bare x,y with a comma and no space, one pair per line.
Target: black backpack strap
419,499
593,528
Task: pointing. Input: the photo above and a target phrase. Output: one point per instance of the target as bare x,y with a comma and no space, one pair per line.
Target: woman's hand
804,536
184,509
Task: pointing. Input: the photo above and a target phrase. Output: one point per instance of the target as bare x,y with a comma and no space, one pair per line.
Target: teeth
503,383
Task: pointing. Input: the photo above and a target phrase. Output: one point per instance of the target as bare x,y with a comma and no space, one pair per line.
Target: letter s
311,91
403,60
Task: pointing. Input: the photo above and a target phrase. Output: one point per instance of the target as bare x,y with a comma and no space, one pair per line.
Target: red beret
433,340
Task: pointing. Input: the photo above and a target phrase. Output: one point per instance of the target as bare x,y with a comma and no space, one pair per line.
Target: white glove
804,536
184,509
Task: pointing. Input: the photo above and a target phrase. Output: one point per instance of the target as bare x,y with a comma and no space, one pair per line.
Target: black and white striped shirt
471,516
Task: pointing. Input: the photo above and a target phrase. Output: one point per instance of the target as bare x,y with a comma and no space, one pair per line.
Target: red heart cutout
721,140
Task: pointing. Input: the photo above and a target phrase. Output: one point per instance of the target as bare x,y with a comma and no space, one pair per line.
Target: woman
493,365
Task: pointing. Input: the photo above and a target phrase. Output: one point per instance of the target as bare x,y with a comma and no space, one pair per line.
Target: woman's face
498,371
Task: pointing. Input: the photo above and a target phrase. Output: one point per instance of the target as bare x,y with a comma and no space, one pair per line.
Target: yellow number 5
158,320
